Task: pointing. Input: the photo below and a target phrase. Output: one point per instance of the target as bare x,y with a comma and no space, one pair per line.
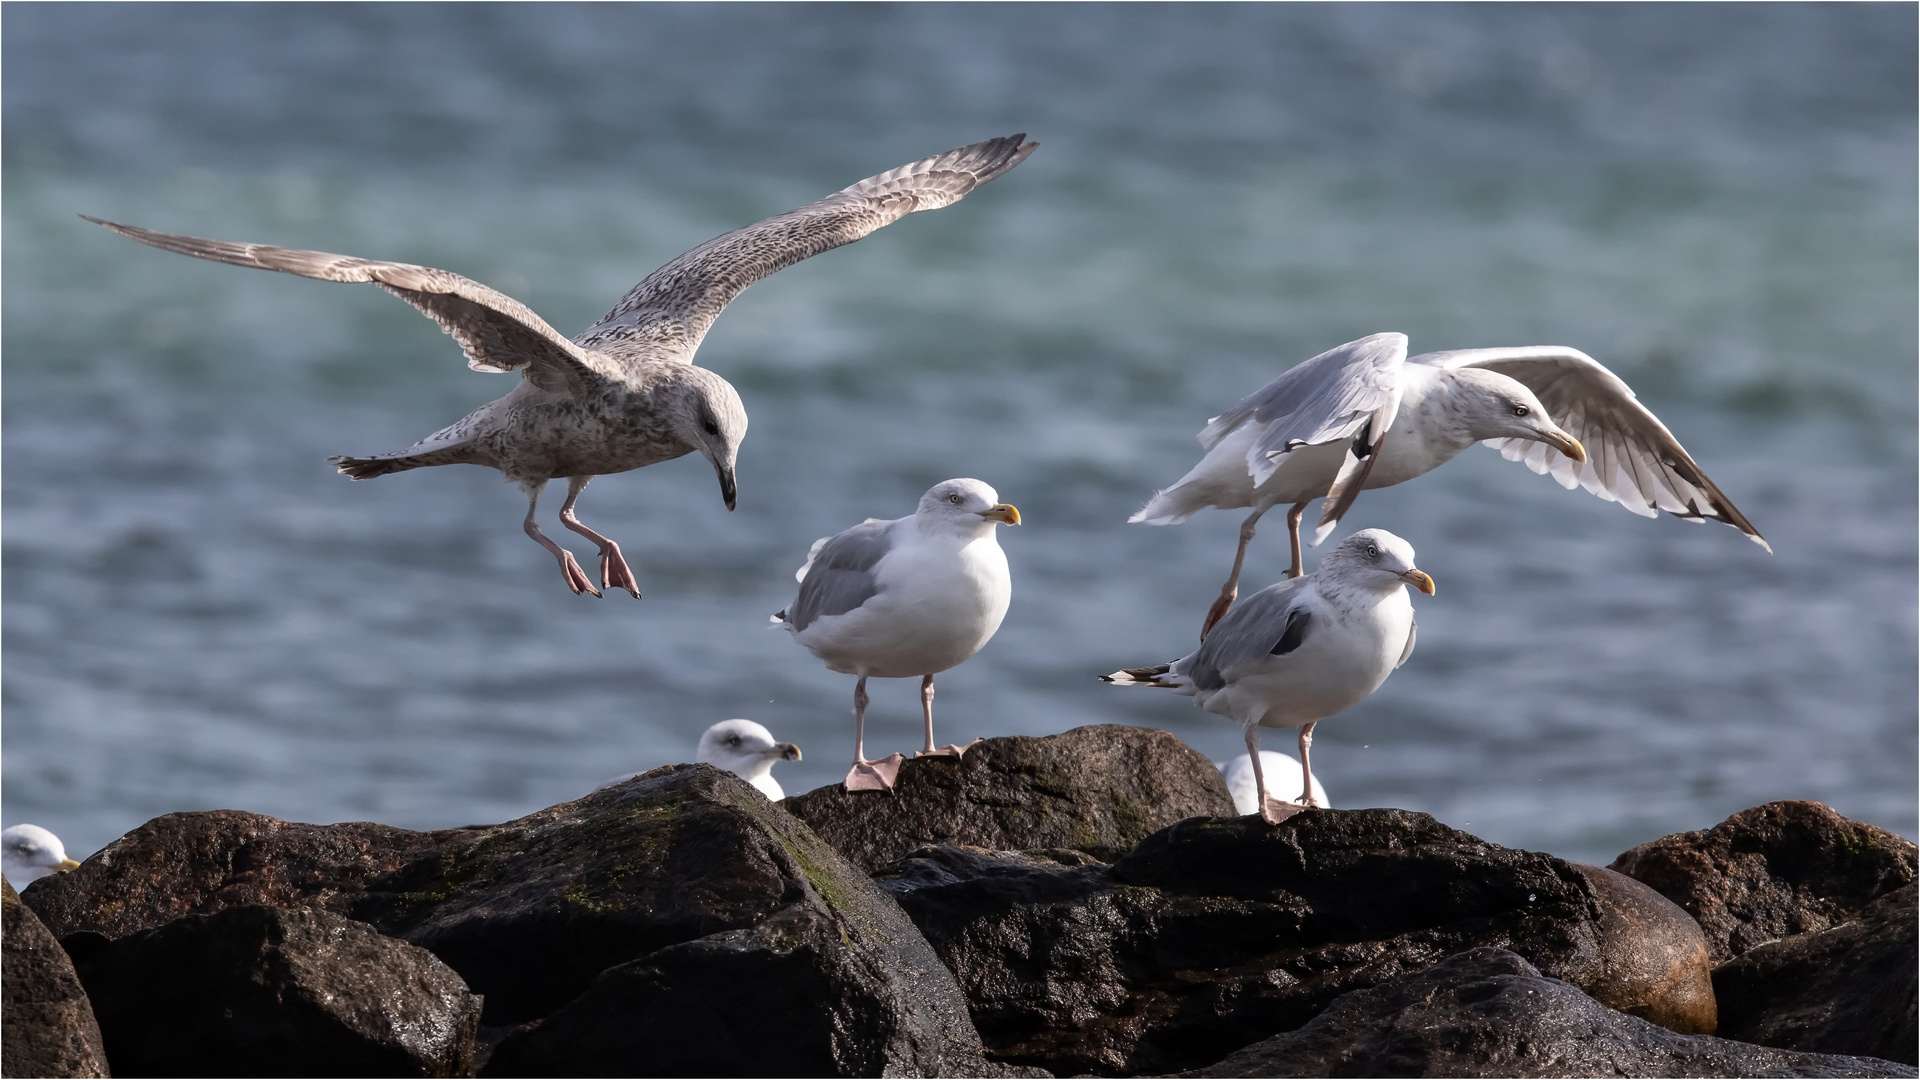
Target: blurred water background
1716,200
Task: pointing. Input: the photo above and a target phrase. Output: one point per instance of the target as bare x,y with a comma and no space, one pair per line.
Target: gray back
1249,632
840,577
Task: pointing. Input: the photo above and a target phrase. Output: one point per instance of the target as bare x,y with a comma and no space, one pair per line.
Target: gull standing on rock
1245,788
29,853
1300,650
912,596
624,393
1364,415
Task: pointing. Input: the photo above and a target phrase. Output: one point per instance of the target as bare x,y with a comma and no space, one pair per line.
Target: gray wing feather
839,575
497,332
676,304
1327,398
1632,458
1248,634
1413,634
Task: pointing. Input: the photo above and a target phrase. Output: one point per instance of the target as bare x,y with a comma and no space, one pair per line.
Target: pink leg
1293,534
868,775
1272,810
1306,770
569,569
613,569
1231,589
926,712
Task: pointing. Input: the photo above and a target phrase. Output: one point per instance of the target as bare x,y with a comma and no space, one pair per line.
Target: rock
264,991
202,863
1773,871
1098,789
1848,990
46,1023
1654,962
683,905
1488,1012
1214,933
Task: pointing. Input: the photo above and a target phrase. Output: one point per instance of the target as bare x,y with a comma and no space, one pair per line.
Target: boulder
1653,957
1098,789
265,991
1851,989
202,863
1214,933
46,1022
1487,1012
681,908
1773,871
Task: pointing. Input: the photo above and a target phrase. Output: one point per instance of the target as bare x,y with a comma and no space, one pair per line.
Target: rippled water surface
1717,201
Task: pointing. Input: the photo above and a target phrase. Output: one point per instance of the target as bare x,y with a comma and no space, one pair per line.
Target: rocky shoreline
1085,903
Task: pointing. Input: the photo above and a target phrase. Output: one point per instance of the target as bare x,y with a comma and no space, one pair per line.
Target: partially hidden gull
1301,650
29,853
1365,415
1238,773
743,748
912,596
624,393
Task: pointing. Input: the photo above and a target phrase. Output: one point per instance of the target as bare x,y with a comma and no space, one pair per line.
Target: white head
965,507
1494,406
707,415
29,853
1374,559
748,751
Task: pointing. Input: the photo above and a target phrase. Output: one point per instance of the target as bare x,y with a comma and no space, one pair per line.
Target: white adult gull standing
624,393
1303,649
1365,415
912,596
29,853
743,748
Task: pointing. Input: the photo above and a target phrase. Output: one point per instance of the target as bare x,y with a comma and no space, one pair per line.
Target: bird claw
952,750
874,775
614,573
1273,811
576,578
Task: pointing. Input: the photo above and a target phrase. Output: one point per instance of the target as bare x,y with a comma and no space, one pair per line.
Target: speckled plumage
624,393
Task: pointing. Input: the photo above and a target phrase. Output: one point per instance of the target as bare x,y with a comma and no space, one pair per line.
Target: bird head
29,853
708,416
744,748
964,506
1499,407
1379,559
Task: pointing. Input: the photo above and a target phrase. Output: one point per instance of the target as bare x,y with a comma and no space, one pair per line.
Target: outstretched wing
497,332
1330,397
839,575
676,304
1632,458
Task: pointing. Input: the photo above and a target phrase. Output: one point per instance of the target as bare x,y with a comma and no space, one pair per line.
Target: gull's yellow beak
68,864
1566,444
785,751
1004,513
1419,579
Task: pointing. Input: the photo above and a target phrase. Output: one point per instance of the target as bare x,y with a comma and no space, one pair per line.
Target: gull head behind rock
749,751
29,853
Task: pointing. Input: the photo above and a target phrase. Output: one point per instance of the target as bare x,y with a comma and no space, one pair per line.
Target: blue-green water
1717,201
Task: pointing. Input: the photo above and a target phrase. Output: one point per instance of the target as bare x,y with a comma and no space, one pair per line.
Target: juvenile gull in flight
1365,415
1302,649
744,749
625,392
912,596
29,853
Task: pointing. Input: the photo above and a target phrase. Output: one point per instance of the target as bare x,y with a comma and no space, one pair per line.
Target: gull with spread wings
1365,415
625,393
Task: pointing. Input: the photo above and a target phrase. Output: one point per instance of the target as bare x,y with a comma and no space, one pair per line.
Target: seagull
744,749
625,393
912,596
1238,773
29,853
1302,649
1365,415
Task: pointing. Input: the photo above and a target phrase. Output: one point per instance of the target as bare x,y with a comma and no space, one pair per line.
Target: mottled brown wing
676,304
497,332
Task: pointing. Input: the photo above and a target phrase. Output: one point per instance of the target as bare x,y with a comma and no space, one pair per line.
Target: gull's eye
1372,552
733,740
712,428
954,498
1521,410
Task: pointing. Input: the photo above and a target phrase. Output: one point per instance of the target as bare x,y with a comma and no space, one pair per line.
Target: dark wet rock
202,863
1214,933
46,1023
684,889
1654,961
265,991
1098,789
1488,1012
1852,989
1773,871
